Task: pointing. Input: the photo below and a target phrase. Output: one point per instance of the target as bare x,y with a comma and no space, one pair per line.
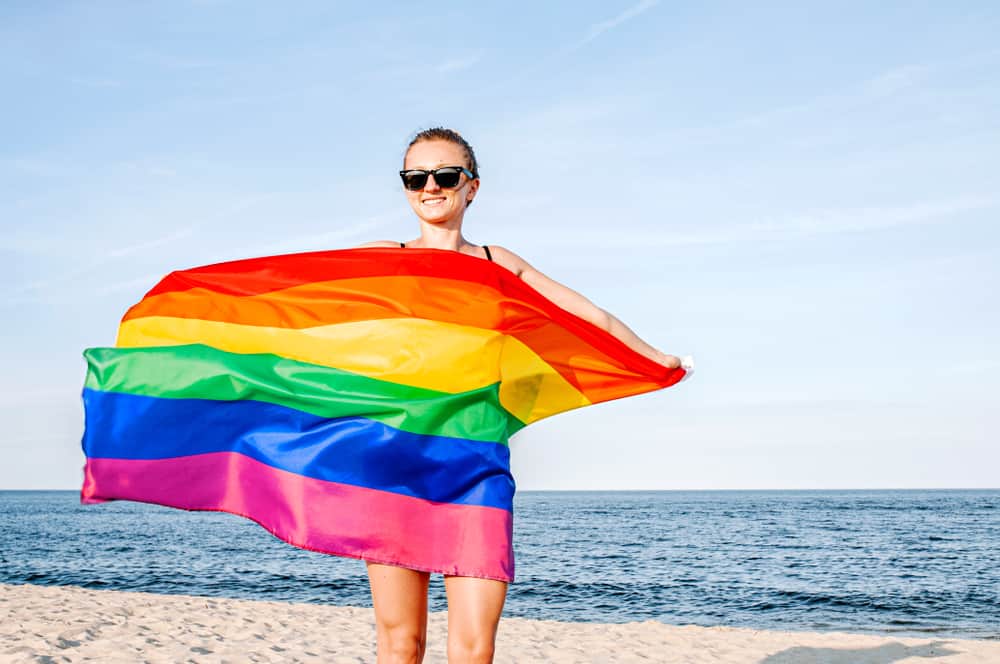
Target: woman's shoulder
508,259
378,243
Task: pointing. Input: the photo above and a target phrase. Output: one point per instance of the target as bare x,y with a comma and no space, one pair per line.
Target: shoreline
73,624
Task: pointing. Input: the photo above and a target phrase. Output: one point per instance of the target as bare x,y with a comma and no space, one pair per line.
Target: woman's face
432,203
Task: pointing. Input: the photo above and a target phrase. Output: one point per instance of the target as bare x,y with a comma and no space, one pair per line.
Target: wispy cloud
355,233
459,64
178,63
100,83
151,244
803,225
876,88
142,284
343,234
544,64
865,219
599,29
34,166
25,291
985,365
360,231
895,80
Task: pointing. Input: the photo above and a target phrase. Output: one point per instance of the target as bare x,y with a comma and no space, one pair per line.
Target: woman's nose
431,184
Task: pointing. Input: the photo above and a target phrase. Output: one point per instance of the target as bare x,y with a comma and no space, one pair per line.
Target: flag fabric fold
356,402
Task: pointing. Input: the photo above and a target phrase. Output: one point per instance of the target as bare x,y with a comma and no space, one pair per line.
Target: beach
70,624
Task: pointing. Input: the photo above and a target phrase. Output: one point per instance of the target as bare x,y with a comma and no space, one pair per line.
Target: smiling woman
441,179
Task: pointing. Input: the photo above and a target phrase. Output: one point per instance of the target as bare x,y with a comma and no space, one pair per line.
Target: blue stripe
350,450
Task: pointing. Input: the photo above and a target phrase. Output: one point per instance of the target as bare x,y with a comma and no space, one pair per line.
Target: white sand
46,624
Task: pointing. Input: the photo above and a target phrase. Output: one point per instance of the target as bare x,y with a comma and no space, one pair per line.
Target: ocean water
908,562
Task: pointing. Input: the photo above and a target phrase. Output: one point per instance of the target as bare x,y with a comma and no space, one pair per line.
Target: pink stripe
329,517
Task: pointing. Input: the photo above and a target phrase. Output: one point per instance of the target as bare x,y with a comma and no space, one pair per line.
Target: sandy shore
46,624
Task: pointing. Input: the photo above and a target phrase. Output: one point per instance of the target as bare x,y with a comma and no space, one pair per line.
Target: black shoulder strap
488,256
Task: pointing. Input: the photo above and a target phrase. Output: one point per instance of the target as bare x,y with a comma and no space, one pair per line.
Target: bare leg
400,599
474,607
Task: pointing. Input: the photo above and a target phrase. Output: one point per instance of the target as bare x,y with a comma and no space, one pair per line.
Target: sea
908,562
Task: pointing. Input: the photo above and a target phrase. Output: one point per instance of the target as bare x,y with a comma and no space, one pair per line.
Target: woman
441,178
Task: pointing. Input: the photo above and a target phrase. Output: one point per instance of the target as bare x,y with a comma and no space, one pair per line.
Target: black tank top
485,248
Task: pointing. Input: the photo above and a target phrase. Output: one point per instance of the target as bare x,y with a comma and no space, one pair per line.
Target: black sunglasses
447,177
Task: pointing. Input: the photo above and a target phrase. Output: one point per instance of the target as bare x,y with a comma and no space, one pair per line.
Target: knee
400,646
470,651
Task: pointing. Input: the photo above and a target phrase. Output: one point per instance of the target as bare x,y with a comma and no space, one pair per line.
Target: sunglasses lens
415,180
447,177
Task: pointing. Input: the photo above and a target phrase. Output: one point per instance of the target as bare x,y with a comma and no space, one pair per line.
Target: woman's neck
441,236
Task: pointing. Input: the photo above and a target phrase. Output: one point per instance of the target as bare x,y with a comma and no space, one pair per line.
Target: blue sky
803,197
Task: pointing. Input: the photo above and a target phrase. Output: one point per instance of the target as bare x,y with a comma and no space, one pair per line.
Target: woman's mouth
433,201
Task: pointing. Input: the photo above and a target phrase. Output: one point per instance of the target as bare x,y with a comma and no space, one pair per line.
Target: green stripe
202,372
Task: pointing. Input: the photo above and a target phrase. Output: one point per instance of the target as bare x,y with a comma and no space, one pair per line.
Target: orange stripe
335,301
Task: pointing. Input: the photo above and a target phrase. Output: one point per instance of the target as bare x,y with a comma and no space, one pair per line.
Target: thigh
400,598
474,607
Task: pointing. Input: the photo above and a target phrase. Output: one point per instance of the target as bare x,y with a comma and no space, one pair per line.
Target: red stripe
329,517
253,276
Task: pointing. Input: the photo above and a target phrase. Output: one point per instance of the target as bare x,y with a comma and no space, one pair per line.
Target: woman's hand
669,361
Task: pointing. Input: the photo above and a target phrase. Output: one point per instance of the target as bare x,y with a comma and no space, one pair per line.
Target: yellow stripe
422,353
531,389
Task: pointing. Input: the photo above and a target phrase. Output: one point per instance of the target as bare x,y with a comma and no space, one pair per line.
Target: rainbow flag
355,402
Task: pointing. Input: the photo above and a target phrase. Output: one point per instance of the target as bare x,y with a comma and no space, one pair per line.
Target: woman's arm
575,303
